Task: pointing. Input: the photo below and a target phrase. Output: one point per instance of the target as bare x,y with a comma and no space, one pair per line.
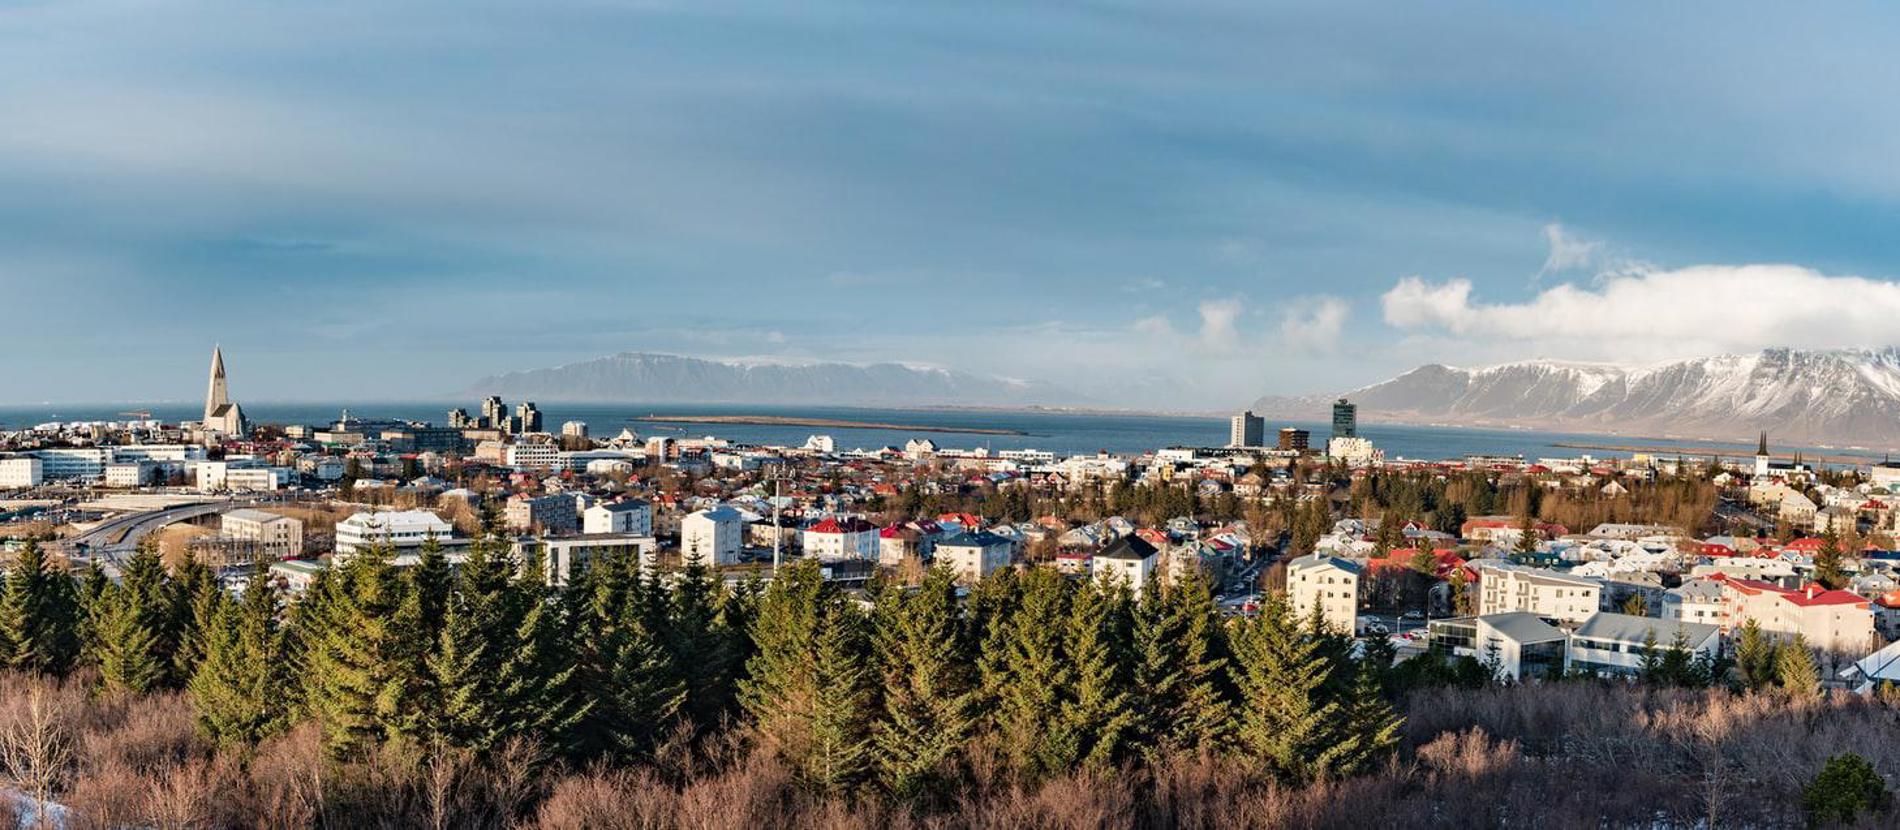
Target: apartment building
1327,583
1840,621
1504,587
276,537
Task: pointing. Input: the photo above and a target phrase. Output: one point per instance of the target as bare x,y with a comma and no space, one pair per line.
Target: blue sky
1182,204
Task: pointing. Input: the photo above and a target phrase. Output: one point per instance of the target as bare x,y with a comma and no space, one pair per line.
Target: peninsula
824,423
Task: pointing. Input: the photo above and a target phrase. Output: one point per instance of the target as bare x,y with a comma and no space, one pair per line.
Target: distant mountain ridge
647,377
1833,397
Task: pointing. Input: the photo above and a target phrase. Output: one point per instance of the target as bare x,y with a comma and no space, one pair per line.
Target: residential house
1129,559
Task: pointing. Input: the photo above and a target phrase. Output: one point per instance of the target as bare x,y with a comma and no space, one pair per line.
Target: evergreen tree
807,687
357,656
534,679
1372,727
1285,719
127,644
237,690
39,615
1176,670
699,645
992,603
1036,678
431,581
1755,655
93,589
1795,670
924,658
1095,717
1828,568
841,750
194,597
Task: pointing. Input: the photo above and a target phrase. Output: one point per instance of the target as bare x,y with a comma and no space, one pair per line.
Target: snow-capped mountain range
664,378
1833,397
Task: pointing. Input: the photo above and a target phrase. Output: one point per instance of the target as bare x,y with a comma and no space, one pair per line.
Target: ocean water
1059,432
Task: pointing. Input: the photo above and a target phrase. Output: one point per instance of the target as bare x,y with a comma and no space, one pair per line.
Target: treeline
901,696
1444,502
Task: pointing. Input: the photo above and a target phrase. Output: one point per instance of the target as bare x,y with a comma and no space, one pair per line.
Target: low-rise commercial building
276,536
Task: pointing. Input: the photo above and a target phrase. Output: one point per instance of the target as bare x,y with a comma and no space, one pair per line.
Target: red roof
1445,561
1807,544
1712,549
1807,596
838,527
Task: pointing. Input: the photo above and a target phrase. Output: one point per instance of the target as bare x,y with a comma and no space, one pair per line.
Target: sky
1155,204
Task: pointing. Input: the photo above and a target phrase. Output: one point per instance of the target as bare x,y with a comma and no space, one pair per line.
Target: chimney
1810,590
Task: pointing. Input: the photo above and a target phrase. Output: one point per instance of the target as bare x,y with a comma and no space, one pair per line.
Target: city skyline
1189,209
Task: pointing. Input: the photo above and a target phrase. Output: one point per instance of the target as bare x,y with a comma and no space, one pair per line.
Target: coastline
819,423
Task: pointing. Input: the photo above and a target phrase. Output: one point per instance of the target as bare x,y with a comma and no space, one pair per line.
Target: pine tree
632,686
924,657
127,644
699,645
807,688
534,679
93,588
988,611
431,581
1755,655
1177,671
194,598
1795,670
237,690
1371,726
1036,678
39,620
1095,717
1828,568
841,751
356,655
1285,720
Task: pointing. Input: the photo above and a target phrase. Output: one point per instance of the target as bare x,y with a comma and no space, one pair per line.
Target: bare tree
36,745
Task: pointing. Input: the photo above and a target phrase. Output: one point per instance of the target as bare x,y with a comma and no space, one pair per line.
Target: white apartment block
20,472
1504,587
257,479
542,457
1697,601
712,536
633,516
1328,583
277,537
567,557
1840,621
973,556
400,530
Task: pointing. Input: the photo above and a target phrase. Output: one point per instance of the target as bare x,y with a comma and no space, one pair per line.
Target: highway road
114,540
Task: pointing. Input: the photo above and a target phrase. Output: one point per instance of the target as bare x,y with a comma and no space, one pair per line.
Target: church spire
1763,449
217,397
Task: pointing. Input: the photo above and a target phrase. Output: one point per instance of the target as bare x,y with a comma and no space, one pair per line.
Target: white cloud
1314,328
1219,333
1568,252
1655,314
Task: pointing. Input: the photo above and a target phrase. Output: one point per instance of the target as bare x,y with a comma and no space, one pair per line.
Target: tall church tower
217,397
221,415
